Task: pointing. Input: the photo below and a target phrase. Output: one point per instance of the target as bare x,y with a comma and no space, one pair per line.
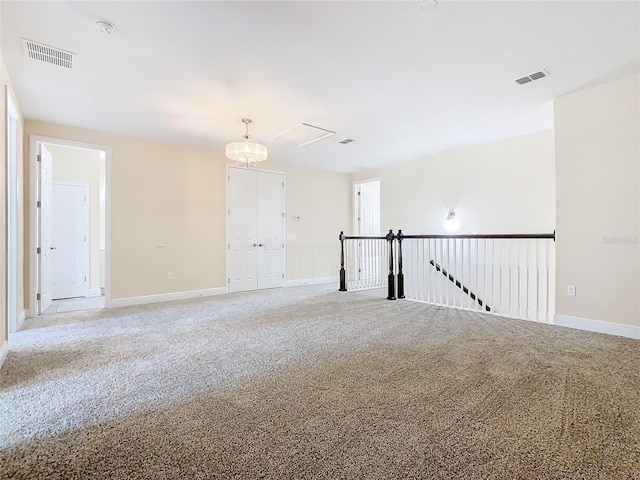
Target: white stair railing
508,275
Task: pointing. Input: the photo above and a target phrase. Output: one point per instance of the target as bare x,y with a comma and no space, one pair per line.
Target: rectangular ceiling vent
45,53
532,77
346,140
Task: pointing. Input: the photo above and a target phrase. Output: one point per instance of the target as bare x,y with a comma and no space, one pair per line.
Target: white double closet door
256,229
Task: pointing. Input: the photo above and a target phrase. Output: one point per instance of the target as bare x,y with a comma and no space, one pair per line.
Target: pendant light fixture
246,153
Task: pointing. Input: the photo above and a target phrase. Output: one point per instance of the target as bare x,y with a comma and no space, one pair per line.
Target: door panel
370,261
270,232
243,237
69,258
45,226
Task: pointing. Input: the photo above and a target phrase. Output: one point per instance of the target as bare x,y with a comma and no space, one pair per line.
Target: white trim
21,318
4,350
33,220
95,292
13,187
166,297
599,326
312,281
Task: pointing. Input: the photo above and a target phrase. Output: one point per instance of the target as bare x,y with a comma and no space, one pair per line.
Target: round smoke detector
105,27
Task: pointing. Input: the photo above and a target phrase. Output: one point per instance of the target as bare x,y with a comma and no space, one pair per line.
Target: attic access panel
303,134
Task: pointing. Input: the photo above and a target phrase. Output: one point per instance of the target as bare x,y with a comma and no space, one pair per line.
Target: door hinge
38,296
38,204
359,192
358,218
283,275
85,278
38,250
38,157
283,214
228,177
228,246
228,281
282,184
283,245
85,238
228,212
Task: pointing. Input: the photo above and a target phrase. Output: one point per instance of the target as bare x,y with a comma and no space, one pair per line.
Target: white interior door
12,215
270,230
70,246
256,229
243,230
370,256
368,208
46,226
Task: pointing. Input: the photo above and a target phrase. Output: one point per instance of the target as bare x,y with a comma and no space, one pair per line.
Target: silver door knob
255,245
53,248
261,245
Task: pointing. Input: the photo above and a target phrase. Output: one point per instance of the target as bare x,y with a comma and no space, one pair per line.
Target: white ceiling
402,82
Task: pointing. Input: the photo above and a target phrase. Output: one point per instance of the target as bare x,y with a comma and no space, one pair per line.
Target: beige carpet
310,383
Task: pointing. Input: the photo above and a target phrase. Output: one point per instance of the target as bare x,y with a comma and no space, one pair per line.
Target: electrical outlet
571,290
169,276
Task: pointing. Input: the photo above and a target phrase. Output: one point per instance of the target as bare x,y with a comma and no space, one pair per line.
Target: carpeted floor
310,383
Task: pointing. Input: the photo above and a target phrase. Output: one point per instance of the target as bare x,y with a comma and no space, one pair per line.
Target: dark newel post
400,236
343,274
391,282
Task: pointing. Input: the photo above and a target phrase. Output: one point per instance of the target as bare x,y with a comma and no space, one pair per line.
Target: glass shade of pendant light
246,153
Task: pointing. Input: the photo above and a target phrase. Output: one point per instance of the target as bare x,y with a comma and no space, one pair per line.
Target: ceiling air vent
45,53
532,77
346,140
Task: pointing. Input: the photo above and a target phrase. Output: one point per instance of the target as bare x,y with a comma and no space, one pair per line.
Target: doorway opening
366,201
369,264
72,226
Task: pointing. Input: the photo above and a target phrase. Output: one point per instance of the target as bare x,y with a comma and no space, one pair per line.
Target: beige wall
78,165
501,187
598,205
320,199
5,85
164,194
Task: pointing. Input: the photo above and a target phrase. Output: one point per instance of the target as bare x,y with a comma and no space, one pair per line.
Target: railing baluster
493,261
527,274
546,316
476,288
400,272
510,270
537,281
518,269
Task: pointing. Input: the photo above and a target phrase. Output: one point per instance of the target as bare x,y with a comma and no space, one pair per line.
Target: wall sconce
451,224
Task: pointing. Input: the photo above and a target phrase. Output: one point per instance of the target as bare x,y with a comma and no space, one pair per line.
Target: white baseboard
165,297
599,326
312,281
4,350
94,292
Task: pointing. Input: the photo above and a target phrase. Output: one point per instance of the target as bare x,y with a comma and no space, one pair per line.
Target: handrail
457,283
506,236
